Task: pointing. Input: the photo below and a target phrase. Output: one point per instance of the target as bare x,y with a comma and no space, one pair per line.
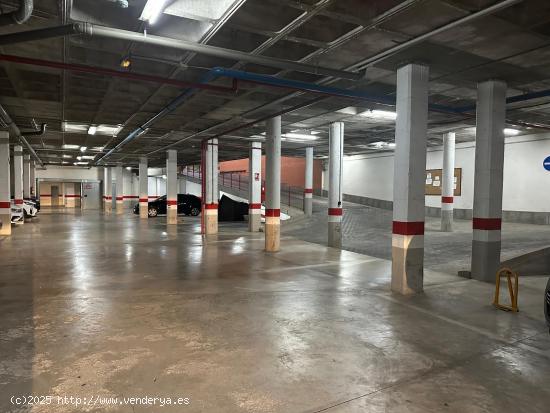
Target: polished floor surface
95,306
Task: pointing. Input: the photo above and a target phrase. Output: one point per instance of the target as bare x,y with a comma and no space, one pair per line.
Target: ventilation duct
19,16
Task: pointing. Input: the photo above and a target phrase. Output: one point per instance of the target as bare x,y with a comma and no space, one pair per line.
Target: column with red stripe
26,177
171,187
212,190
143,188
409,179
273,185
448,182
107,190
5,203
335,165
32,174
489,163
308,186
119,177
18,175
255,187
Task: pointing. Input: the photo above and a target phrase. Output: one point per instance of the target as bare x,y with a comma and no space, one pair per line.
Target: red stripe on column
308,191
72,196
408,228
5,204
172,202
335,211
272,212
211,206
143,200
487,224
18,202
447,199
45,195
255,206
120,198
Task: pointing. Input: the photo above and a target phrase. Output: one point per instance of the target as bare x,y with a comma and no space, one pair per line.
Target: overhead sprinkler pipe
113,73
16,133
19,16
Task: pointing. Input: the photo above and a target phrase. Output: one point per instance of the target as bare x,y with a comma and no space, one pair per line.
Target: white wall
525,180
69,173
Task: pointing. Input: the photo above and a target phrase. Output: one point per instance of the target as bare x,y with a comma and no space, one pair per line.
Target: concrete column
27,177
448,182
489,163
18,175
273,185
212,192
5,193
409,179
172,187
107,190
308,186
335,164
119,177
33,179
255,187
143,188
182,183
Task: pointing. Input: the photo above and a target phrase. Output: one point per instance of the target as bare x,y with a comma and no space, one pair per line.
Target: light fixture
66,156
70,146
299,137
125,63
511,132
83,148
152,10
163,176
92,130
79,158
98,148
87,157
379,114
128,168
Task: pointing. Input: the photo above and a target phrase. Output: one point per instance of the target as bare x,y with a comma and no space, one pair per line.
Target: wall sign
433,181
546,163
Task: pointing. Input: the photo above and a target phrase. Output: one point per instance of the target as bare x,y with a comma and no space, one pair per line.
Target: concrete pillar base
485,260
308,204
211,221
407,270
171,215
143,210
120,207
272,234
447,221
254,220
335,234
108,207
5,228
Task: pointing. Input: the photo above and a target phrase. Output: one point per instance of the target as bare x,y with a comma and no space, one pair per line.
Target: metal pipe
389,52
14,131
19,16
115,73
41,34
39,132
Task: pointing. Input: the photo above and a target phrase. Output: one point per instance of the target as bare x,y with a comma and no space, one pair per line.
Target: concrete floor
95,306
367,230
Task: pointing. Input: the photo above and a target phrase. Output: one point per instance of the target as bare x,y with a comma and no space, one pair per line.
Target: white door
90,195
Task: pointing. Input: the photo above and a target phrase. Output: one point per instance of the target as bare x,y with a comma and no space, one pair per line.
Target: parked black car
187,204
547,303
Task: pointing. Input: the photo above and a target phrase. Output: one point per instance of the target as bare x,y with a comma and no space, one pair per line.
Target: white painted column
26,177
182,183
18,175
255,187
119,176
107,190
143,188
448,182
33,179
273,185
335,165
308,186
489,163
409,179
212,191
5,192
171,187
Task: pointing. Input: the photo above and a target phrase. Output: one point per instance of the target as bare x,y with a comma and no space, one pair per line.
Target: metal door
55,195
90,195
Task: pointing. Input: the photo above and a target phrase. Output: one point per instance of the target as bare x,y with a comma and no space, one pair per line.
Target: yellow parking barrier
512,289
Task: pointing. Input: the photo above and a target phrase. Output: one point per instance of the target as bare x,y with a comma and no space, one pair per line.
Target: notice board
433,181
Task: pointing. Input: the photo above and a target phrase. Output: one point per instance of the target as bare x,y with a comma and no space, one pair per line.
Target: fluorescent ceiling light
300,137
510,131
66,156
315,132
98,149
379,114
83,148
207,10
110,130
79,158
70,146
129,168
152,10
87,157
163,176
92,130
81,163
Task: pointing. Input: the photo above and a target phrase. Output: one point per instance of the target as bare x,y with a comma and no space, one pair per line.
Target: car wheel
195,211
153,212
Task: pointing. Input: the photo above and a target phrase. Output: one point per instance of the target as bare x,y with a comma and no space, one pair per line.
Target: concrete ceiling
512,44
